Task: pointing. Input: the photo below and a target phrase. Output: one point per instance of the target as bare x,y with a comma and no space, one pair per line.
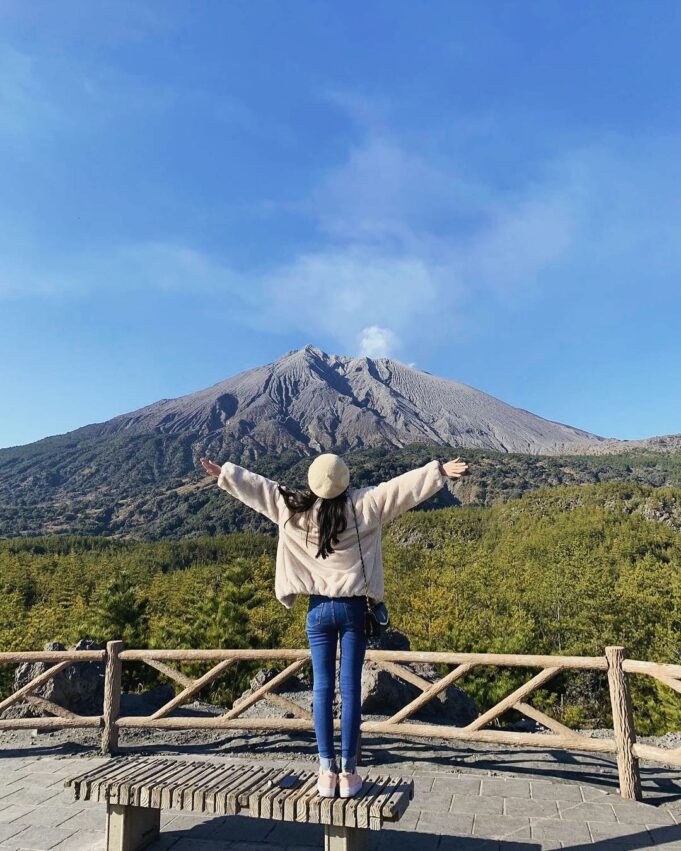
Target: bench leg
131,828
345,838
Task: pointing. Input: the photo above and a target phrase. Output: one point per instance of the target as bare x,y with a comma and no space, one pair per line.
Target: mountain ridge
311,401
139,473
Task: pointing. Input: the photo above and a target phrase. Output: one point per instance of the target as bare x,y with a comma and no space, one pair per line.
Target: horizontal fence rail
623,743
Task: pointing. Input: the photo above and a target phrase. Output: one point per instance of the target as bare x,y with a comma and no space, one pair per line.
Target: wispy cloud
46,96
24,106
49,94
376,342
106,23
165,267
334,293
406,238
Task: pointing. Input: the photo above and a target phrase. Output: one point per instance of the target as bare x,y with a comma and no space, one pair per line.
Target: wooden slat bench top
382,799
231,788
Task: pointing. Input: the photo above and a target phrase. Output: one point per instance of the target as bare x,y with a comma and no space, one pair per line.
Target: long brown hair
331,515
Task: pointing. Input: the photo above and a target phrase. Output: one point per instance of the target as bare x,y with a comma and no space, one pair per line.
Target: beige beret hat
328,475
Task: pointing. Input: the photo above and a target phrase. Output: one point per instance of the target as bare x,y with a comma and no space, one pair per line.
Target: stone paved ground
450,810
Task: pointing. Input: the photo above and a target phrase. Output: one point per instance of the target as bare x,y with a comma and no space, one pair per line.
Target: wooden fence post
112,696
623,724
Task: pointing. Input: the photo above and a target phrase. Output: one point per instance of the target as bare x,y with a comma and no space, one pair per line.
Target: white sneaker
349,783
326,783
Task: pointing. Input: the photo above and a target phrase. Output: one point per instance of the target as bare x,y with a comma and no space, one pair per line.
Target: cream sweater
297,570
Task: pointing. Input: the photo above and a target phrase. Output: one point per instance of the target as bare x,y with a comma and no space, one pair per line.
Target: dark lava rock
78,688
383,693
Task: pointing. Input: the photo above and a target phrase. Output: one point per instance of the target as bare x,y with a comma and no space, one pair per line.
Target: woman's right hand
454,469
210,467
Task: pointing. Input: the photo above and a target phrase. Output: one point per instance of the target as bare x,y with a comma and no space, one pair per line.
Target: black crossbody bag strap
372,626
359,544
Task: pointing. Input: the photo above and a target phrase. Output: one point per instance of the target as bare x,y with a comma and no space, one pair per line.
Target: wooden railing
623,744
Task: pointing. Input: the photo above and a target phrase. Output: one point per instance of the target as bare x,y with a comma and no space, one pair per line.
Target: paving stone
290,833
557,830
505,788
667,846
501,827
91,819
477,843
67,800
44,779
458,785
530,807
166,817
665,835
11,829
207,826
387,840
28,796
242,829
10,777
14,811
636,812
477,804
635,834
9,787
203,845
16,764
45,766
423,784
593,793
163,843
39,838
545,790
52,815
411,815
586,811
84,840
460,824
435,802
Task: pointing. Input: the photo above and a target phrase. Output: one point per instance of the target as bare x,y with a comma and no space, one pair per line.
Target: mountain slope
138,473
310,401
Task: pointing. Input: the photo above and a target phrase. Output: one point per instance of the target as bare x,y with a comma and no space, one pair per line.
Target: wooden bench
136,789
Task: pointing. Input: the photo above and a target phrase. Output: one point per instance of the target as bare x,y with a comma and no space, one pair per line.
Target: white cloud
334,294
166,267
24,106
376,342
405,241
50,95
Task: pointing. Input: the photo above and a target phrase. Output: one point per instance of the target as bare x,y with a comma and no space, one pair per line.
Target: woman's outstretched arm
399,494
254,490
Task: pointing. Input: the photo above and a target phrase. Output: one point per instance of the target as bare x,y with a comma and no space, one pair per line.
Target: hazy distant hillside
668,443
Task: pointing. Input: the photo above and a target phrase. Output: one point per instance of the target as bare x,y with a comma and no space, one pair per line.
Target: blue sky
487,190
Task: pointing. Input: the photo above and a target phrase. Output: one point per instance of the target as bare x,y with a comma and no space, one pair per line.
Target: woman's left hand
454,469
210,467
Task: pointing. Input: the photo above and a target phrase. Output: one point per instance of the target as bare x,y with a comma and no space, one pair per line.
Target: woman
329,540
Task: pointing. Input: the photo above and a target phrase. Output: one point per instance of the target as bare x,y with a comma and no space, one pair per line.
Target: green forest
563,570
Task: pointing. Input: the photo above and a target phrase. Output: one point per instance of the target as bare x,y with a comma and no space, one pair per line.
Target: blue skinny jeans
327,619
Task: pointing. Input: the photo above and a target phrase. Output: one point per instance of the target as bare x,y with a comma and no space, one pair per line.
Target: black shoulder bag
376,617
